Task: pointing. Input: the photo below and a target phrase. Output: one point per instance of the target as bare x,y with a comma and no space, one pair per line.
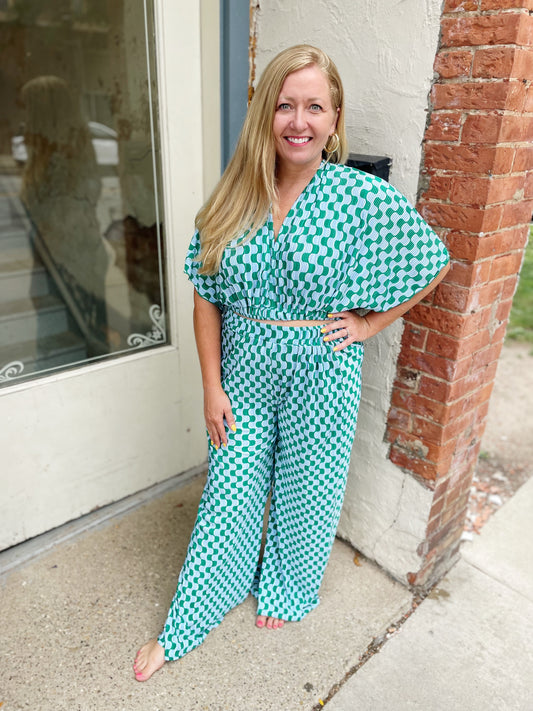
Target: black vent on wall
375,165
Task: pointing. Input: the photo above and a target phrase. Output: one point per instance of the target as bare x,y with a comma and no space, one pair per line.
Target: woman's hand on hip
217,407
345,328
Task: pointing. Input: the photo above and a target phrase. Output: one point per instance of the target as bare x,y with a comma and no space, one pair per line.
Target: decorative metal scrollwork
156,335
11,370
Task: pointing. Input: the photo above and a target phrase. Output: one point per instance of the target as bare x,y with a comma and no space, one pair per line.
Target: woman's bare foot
150,658
271,623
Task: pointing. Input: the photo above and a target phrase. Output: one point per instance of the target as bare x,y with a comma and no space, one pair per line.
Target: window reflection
81,264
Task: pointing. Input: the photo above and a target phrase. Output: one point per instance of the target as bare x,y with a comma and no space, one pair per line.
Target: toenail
259,623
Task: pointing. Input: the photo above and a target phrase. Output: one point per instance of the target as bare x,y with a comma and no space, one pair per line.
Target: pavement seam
375,646
501,582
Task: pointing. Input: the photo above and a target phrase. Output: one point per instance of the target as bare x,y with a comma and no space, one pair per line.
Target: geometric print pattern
350,240
295,403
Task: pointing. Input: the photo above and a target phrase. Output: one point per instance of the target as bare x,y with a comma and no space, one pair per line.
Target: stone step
14,237
49,352
23,279
27,319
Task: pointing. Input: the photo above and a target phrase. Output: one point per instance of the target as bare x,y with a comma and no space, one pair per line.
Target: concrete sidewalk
469,645
73,618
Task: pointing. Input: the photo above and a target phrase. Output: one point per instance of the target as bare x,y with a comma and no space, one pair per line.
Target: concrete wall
385,51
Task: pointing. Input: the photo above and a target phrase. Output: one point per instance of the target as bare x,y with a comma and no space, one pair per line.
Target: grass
520,326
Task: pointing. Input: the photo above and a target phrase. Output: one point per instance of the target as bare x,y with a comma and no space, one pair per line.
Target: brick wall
477,192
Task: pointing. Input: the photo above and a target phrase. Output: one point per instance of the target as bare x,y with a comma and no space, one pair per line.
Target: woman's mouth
297,140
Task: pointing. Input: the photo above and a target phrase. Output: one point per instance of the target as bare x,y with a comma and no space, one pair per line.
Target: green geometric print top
350,241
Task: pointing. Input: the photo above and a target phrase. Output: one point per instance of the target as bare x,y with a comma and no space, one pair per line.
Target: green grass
521,322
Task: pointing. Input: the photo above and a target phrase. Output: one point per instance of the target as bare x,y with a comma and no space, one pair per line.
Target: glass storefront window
81,232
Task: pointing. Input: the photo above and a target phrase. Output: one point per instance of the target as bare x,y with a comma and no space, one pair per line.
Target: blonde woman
288,248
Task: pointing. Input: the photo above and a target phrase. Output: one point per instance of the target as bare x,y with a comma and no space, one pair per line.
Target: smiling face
304,119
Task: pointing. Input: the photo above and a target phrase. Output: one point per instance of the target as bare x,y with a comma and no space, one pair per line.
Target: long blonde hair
240,202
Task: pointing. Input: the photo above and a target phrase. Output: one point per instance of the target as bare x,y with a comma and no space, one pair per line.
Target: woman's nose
298,119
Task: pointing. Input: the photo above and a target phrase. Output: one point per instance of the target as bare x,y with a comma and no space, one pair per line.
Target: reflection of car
104,140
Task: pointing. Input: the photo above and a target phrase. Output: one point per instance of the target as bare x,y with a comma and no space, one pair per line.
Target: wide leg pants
295,402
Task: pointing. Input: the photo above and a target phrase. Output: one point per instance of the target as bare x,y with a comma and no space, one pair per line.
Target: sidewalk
73,618
469,646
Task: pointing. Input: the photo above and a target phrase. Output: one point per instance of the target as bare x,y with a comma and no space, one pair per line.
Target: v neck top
350,241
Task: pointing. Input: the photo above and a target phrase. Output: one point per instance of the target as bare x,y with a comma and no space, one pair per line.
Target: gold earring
329,151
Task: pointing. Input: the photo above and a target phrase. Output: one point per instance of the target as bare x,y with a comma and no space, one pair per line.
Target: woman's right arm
207,330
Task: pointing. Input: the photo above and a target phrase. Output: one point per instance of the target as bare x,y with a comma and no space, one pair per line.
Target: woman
292,245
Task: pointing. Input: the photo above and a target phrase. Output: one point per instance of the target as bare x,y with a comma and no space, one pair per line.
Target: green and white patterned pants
295,403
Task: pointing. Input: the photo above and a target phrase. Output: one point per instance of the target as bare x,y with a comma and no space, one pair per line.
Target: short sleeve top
350,241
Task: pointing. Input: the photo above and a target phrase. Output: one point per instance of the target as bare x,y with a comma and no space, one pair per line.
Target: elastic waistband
288,334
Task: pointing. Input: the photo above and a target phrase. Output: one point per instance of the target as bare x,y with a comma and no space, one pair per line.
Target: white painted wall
81,439
384,50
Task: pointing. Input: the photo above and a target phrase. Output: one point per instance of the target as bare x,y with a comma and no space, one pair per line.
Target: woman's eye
284,107
316,107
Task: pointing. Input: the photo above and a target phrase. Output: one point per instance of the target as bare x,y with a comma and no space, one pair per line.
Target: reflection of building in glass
77,144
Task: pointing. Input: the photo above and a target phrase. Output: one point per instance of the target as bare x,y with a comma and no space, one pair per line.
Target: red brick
460,407
480,30
456,427
450,296
528,103
494,62
464,274
460,5
444,126
455,509
485,315
433,388
503,189
505,4
472,248
523,64
482,296
486,356
517,213
463,386
509,287
516,129
506,266
482,128
414,336
442,345
485,191
528,185
525,33
427,470
473,95
523,159
453,64
463,246
498,335
428,363
398,418
453,348
459,217
433,525
503,310
418,405
453,324
470,158
439,188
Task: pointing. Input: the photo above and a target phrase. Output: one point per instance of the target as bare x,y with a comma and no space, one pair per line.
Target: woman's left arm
358,328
